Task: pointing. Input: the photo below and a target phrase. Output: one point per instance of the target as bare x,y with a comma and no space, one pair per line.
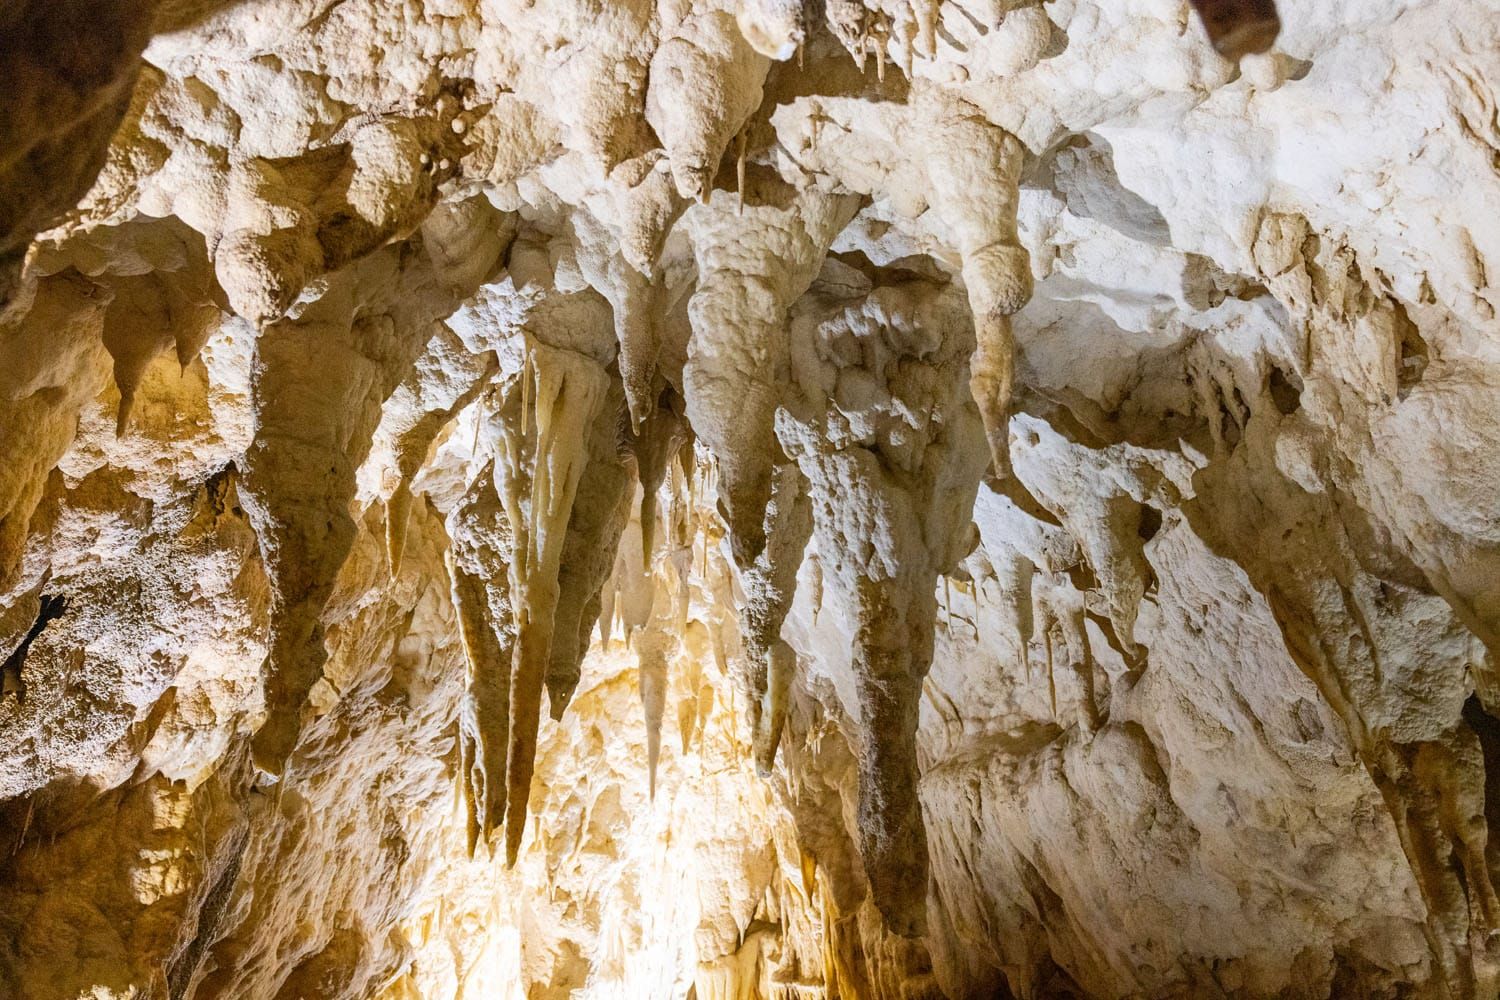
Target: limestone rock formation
871,499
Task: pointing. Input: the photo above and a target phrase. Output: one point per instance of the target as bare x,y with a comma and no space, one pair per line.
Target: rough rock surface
900,499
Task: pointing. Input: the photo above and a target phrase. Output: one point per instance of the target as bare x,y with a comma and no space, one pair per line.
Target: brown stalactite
1239,28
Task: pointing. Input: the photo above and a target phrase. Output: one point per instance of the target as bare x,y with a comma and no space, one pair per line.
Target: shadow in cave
1487,728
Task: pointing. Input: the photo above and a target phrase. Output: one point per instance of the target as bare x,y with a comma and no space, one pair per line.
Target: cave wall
865,500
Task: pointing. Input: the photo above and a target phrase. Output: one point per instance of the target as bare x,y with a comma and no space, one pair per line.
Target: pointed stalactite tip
122,413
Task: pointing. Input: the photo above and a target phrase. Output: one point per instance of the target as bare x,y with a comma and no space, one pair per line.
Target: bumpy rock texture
898,499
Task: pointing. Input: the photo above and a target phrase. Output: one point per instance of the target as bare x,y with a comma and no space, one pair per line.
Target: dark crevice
210,914
1286,391
1411,353
1487,728
1150,523
1229,426
54,606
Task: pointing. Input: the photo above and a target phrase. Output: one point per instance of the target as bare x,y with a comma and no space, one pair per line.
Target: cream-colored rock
996,499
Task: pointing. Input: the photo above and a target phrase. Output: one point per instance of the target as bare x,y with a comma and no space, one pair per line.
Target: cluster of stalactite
833,398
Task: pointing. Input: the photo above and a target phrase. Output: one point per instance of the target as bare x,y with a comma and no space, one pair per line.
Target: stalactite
926,16
769,585
305,529
600,511
652,651
542,456
153,313
971,171
1046,624
445,380
1082,656
655,445
320,379
750,270
848,21
877,551
503,263
739,173
632,292
693,709
1239,28
770,718
705,82
478,567
978,611
996,269
681,560
947,607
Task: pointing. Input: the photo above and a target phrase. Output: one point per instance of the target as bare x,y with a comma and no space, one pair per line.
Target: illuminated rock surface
874,499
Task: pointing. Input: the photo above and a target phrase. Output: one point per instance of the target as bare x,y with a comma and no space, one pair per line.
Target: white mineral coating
873,499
